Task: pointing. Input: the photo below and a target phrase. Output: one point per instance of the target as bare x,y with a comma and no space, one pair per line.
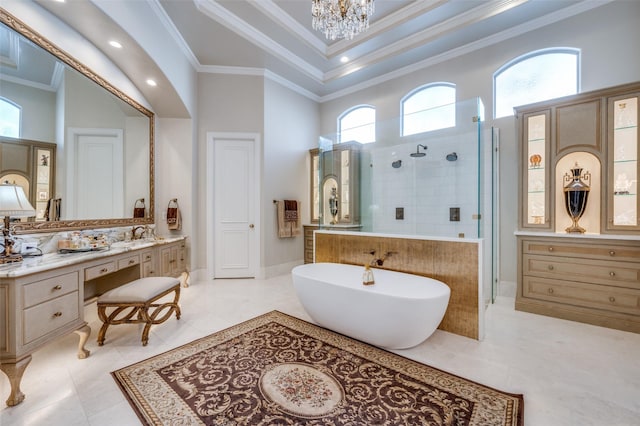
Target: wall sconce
13,202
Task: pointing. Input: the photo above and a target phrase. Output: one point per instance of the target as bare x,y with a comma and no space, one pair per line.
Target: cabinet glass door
624,152
315,185
44,178
344,184
536,181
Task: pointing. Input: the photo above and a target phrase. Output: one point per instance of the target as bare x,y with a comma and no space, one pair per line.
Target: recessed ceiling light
344,59
115,44
151,82
59,1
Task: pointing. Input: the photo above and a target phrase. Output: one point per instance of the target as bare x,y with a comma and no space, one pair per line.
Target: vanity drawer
147,256
99,270
620,274
128,261
608,298
46,317
49,288
587,250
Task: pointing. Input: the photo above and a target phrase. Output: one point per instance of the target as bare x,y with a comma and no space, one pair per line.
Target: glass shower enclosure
439,183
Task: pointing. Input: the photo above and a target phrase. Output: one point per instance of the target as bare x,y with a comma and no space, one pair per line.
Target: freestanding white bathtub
398,311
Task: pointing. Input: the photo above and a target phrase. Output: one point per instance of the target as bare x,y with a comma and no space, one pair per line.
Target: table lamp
13,202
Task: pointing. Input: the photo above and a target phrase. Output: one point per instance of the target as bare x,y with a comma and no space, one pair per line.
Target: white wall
605,36
226,103
174,177
290,130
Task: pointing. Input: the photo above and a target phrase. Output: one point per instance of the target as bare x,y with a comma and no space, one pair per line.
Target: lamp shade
13,202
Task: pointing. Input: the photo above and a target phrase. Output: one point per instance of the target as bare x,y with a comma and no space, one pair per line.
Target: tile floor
569,373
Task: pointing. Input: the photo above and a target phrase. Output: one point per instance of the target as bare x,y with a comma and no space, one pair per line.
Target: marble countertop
32,265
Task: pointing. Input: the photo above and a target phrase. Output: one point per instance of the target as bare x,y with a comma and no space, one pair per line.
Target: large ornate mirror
103,139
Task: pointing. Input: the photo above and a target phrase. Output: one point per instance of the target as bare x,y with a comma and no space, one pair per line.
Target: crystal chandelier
341,18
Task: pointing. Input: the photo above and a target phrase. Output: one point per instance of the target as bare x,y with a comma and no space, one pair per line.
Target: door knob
252,226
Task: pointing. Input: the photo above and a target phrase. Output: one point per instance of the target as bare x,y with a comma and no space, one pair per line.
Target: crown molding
405,44
477,14
259,72
290,85
285,21
221,15
471,47
411,11
173,31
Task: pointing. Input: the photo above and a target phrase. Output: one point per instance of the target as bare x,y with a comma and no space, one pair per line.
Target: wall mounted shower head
452,157
418,153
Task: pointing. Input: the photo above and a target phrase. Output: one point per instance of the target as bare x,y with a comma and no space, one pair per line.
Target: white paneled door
235,207
95,171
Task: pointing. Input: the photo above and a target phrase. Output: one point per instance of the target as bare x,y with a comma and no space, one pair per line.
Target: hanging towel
139,208
288,227
290,210
52,212
174,218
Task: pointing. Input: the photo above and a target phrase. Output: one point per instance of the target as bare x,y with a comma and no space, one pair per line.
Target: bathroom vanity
43,298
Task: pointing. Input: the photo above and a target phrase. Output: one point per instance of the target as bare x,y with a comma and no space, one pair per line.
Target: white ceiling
251,36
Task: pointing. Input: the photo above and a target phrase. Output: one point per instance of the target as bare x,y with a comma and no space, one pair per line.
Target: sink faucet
379,261
135,229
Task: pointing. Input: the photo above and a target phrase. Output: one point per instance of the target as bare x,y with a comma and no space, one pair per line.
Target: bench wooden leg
148,313
112,318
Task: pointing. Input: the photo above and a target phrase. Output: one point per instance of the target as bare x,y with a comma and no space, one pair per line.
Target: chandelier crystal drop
341,18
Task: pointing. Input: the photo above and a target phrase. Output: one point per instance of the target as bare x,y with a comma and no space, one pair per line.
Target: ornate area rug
279,370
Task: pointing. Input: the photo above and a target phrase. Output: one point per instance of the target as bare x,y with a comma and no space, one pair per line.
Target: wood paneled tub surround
455,262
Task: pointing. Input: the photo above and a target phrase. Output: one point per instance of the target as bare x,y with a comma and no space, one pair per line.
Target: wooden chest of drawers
596,281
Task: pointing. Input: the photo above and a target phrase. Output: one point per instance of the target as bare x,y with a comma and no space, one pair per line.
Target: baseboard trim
280,269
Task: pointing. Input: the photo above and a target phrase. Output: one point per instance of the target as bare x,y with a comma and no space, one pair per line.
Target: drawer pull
550,248
612,274
550,267
550,290
612,299
131,262
58,287
103,270
57,314
612,253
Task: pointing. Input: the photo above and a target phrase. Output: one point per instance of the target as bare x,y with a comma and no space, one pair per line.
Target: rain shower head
418,153
452,157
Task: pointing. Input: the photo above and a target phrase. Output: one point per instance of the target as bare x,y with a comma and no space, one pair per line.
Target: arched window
429,107
10,115
357,124
536,76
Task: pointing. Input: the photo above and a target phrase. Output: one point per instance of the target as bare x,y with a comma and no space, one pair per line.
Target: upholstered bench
133,303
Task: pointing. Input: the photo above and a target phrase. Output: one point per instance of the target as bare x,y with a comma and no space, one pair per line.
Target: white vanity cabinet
42,299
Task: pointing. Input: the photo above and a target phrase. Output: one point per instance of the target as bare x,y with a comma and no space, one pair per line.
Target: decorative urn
576,194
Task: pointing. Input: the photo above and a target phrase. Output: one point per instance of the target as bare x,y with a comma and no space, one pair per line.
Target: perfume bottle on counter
367,276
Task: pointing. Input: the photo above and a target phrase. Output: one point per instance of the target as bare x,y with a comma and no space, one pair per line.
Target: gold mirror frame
66,225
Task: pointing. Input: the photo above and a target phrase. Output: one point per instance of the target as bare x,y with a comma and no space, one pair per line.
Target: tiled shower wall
427,187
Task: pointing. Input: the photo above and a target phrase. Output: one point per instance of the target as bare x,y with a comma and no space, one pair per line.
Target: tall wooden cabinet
594,276
337,169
